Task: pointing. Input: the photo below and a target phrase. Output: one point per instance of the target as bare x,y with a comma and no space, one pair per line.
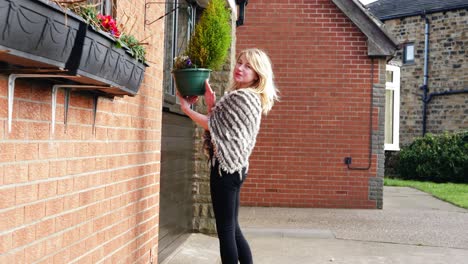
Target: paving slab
198,248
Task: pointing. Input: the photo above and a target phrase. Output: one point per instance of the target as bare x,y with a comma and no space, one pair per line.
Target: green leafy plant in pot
206,51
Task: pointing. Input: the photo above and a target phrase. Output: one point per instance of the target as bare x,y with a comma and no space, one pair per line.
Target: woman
231,129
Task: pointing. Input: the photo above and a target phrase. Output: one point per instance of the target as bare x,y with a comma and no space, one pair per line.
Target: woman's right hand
210,96
186,101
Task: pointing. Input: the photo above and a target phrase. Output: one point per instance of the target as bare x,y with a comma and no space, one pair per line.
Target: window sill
172,108
391,147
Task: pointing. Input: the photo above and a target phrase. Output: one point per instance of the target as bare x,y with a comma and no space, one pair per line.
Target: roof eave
380,43
423,12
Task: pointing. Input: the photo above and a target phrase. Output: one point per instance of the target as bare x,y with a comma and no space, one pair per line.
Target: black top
391,9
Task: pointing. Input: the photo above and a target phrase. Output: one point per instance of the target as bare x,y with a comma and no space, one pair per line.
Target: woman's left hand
210,96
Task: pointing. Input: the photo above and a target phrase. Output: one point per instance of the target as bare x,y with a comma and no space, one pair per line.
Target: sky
367,1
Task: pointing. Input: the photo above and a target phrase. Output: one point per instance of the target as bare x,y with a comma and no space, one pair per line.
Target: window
408,53
180,23
392,108
104,6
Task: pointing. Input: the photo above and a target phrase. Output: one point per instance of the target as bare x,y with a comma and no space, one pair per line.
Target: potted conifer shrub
206,51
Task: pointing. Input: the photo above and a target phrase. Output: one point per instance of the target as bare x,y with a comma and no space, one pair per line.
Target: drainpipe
425,89
427,97
348,160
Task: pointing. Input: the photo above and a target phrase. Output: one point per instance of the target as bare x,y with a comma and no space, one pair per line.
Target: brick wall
447,71
79,196
324,75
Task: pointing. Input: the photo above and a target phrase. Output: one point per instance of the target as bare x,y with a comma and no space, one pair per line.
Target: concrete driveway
412,227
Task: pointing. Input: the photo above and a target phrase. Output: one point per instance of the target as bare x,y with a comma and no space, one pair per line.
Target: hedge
437,158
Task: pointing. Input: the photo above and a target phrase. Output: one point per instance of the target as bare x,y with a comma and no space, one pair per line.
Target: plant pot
100,60
191,81
36,33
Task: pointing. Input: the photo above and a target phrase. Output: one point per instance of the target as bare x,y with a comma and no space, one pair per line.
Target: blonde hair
264,86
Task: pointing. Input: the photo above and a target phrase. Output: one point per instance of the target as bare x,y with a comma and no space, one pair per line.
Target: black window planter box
98,59
36,34
41,34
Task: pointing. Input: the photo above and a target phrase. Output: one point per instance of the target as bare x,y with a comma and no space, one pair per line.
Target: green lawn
455,193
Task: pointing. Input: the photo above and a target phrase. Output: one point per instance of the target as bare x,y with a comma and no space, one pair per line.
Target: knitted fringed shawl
234,124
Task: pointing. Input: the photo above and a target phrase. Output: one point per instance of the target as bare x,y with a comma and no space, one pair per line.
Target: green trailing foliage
437,158
136,49
88,12
211,40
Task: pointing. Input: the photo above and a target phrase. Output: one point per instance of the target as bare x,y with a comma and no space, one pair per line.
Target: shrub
392,160
437,158
211,40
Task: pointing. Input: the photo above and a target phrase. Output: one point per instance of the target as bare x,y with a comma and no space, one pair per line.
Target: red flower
115,32
109,24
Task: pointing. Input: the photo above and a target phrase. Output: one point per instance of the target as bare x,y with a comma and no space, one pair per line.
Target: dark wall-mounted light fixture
241,5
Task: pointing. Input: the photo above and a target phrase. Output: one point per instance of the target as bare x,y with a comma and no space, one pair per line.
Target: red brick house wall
324,75
79,196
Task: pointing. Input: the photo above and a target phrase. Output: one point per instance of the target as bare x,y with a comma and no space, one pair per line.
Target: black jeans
225,191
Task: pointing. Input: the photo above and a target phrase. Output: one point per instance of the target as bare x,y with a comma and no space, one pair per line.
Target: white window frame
192,14
394,86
